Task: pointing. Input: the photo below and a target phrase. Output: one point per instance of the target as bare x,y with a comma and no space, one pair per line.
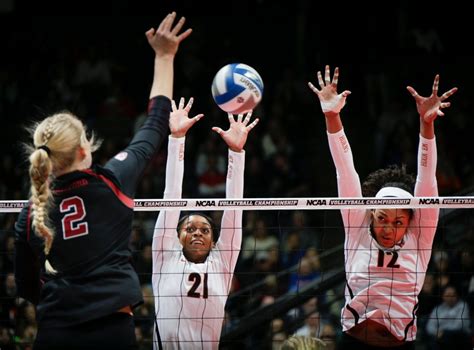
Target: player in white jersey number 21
193,268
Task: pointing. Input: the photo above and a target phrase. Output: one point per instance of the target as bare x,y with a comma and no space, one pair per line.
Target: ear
182,237
81,152
213,244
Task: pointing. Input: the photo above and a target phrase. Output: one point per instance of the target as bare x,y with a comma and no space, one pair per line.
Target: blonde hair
299,342
55,141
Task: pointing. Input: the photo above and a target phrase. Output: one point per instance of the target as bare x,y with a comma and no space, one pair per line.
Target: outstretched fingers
413,92
247,118
218,130
346,93
181,103
320,79
231,118
335,78
448,93
168,22
196,118
436,85
313,88
162,25
327,75
178,26
252,124
189,105
184,34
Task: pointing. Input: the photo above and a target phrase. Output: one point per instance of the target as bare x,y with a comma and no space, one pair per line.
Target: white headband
393,192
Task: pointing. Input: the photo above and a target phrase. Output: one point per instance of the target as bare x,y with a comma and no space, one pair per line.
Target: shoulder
103,173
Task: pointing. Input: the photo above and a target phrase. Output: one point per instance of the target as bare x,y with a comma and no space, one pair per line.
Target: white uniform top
383,284
189,297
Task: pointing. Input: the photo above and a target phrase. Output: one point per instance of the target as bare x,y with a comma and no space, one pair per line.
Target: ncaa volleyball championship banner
14,206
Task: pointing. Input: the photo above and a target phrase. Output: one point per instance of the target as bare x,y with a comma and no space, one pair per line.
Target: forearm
163,77
231,226
168,219
427,129
333,122
174,167
235,174
347,178
426,184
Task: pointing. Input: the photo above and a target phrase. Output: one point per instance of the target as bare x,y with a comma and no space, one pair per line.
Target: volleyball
237,88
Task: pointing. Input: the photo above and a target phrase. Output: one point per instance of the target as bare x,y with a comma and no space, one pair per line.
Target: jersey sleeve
128,165
165,235
230,238
348,182
27,261
425,220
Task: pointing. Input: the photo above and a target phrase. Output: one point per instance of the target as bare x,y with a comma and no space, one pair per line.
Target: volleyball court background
103,73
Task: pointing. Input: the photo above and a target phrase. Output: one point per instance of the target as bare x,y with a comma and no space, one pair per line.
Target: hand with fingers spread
179,121
165,42
430,107
166,39
236,135
331,101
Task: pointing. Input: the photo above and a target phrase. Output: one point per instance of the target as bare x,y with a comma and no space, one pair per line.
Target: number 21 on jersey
198,279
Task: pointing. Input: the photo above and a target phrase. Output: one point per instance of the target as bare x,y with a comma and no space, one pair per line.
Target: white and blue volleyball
237,88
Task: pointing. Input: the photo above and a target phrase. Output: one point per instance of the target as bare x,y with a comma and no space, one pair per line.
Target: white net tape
13,206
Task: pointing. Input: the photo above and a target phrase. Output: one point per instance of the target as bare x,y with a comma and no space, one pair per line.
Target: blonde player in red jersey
192,269
387,251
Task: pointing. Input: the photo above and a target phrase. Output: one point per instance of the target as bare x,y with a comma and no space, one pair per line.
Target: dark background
379,51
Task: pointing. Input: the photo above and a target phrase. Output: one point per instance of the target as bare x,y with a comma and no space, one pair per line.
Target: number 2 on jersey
196,277
73,222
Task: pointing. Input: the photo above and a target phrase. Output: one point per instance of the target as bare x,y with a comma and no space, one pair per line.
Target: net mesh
290,277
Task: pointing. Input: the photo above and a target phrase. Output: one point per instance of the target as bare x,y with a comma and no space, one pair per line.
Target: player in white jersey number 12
387,251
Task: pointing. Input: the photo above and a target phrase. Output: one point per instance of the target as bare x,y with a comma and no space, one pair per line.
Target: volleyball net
457,202
293,282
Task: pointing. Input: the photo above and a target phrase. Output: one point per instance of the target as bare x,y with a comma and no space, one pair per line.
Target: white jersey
383,284
189,297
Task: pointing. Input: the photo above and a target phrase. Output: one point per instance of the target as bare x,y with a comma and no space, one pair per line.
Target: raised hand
165,40
179,122
236,136
331,101
429,108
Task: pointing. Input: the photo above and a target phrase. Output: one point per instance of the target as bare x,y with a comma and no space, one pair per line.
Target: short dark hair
184,218
391,176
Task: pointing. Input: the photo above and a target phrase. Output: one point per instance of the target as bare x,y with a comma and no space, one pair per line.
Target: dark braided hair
391,176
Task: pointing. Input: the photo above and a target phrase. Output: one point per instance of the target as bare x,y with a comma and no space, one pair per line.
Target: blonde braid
40,171
48,131
41,167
